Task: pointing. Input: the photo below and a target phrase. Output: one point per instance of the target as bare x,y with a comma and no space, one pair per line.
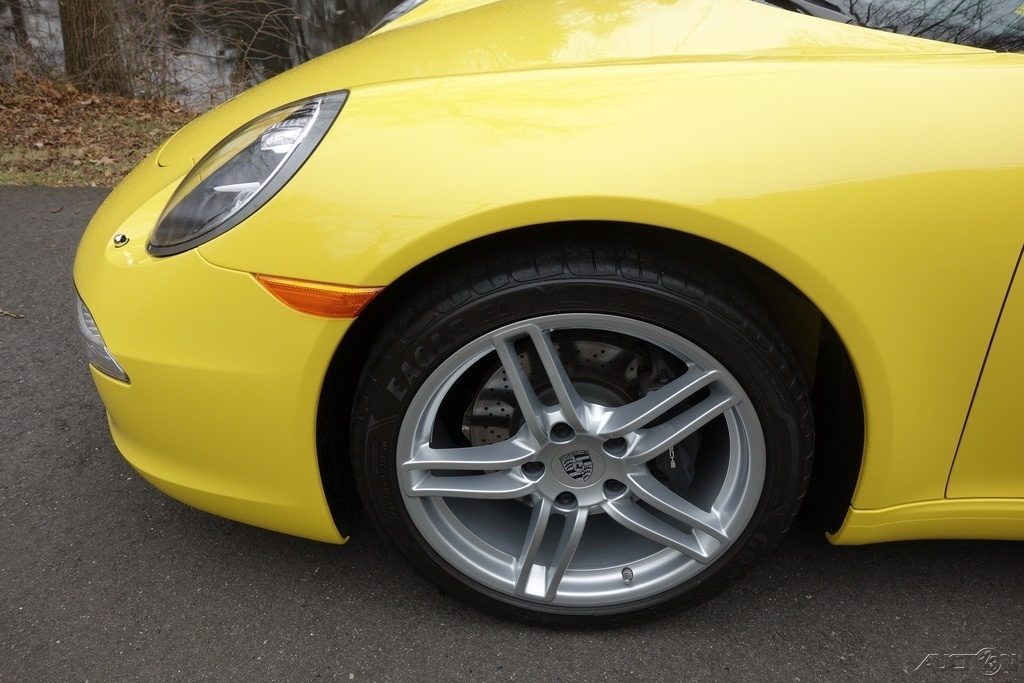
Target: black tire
578,273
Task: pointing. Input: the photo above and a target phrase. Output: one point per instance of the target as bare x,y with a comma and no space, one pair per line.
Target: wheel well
825,361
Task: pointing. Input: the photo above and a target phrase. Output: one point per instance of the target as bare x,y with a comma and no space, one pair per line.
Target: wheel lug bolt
616,446
562,432
532,469
614,487
565,499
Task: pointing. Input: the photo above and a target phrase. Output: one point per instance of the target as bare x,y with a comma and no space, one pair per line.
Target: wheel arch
823,355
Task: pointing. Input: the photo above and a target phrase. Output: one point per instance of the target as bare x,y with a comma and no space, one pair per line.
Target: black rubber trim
839,432
332,445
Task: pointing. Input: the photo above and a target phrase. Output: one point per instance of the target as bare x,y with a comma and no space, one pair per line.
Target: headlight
242,173
402,8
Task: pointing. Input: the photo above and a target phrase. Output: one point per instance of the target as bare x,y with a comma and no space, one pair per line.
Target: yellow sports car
580,297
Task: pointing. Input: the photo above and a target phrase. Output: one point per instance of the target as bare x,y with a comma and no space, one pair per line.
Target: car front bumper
221,408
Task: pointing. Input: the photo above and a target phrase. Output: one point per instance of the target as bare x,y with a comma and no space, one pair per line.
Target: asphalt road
103,577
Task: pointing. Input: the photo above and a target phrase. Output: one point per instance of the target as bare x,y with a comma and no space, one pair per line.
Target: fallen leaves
54,134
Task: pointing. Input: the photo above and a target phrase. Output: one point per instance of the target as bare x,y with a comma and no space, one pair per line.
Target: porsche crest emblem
578,465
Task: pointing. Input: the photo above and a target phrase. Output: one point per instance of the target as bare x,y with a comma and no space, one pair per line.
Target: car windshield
990,24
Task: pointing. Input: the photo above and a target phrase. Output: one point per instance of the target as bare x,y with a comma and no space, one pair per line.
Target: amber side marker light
319,298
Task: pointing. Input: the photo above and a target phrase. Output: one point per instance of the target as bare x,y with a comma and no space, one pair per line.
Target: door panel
990,460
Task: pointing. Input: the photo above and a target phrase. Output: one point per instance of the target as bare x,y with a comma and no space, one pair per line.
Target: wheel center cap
578,467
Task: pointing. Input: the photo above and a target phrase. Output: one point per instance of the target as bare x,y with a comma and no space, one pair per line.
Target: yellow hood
459,37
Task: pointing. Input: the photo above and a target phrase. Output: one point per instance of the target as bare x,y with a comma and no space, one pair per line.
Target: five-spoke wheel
573,459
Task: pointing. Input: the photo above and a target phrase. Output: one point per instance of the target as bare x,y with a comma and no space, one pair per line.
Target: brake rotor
606,371
602,371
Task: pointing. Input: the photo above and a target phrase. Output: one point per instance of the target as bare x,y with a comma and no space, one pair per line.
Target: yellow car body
879,175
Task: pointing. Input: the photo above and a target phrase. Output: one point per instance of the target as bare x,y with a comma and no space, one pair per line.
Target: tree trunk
18,19
93,55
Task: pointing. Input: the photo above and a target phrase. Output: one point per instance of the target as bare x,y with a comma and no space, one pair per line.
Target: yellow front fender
877,224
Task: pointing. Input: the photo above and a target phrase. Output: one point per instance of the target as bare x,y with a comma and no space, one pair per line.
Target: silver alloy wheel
590,525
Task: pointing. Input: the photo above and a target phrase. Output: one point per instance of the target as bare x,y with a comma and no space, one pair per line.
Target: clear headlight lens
399,10
96,351
243,173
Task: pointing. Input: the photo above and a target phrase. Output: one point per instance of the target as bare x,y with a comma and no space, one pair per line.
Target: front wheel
582,435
